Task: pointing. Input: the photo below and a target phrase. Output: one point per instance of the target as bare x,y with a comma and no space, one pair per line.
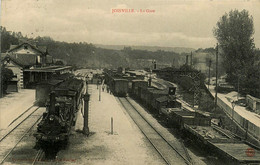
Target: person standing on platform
107,89
97,84
103,87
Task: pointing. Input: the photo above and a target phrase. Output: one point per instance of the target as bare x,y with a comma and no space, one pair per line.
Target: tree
234,32
7,75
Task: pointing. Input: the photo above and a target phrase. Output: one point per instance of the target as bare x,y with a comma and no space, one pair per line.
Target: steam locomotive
61,112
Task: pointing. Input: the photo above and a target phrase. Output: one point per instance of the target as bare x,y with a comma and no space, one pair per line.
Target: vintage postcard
119,82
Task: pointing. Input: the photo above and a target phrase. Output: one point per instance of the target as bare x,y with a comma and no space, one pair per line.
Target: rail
187,161
21,138
3,137
38,157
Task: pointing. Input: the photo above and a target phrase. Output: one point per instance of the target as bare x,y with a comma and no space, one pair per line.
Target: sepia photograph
137,82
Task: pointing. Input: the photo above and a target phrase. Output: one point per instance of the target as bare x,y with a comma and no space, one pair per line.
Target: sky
170,23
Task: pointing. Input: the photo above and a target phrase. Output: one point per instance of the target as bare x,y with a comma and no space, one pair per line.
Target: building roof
23,60
48,69
40,49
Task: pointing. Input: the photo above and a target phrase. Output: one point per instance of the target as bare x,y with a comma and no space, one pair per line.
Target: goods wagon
120,87
167,102
136,84
180,117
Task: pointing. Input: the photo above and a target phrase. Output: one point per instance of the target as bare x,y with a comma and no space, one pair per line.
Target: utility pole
210,61
216,89
85,115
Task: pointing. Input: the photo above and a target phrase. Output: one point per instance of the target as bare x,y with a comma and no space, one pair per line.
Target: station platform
13,105
250,116
127,144
249,122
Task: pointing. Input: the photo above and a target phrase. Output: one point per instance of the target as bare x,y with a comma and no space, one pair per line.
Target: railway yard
130,122
130,82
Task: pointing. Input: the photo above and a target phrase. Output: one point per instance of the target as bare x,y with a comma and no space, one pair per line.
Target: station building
30,64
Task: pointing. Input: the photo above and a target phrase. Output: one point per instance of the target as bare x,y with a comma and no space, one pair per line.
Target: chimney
187,59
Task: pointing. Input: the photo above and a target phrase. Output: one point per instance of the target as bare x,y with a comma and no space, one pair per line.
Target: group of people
104,87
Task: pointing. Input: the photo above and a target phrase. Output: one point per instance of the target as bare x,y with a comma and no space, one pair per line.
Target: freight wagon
180,117
136,84
119,87
197,126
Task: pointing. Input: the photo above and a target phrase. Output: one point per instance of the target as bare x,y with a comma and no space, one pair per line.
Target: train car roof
71,84
119,79
157,91
139,80
63,76
189,113
50,82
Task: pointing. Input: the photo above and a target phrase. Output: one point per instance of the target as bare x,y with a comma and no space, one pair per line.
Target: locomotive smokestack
52,102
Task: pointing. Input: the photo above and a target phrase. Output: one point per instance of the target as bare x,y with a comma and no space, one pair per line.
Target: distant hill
148,48
100,56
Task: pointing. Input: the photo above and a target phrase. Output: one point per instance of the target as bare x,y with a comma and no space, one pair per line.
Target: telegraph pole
216,89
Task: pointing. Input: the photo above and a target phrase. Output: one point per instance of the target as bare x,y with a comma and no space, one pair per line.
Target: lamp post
86,110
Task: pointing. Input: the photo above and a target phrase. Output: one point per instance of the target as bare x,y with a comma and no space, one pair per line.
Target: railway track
13,137
166,150
39,156
15,123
